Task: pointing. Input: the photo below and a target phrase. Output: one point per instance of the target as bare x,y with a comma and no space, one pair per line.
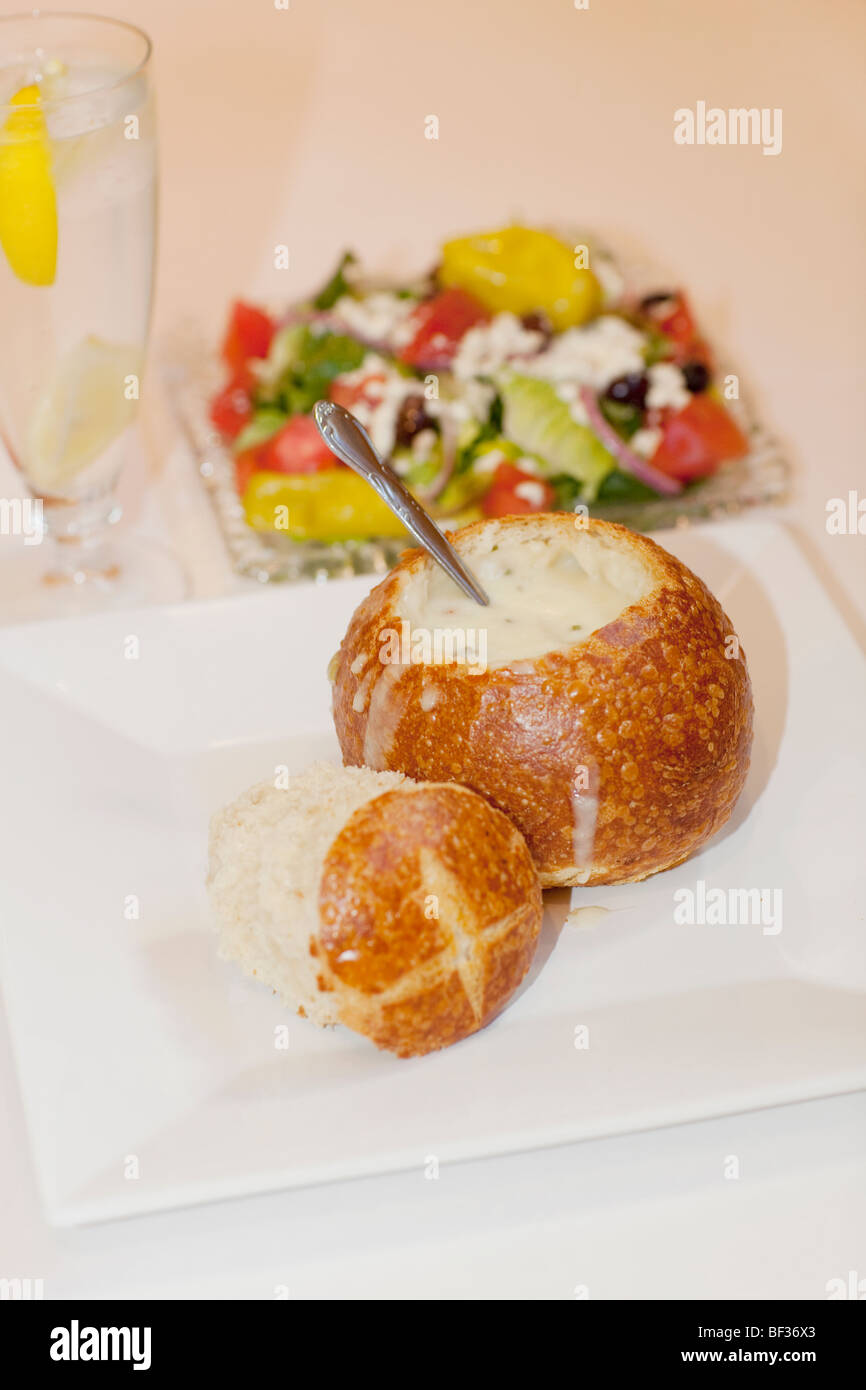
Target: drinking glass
77,242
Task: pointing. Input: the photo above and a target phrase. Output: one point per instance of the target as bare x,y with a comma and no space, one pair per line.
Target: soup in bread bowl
601,700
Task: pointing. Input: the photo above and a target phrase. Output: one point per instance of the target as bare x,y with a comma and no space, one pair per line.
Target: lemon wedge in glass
90,400
28,206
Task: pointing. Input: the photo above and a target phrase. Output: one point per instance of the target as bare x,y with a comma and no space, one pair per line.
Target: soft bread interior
266,855
550,587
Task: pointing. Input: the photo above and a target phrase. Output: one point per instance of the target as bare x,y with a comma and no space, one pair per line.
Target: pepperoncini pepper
520,270
332,505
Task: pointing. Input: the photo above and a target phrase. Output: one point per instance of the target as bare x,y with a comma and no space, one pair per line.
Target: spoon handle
346,437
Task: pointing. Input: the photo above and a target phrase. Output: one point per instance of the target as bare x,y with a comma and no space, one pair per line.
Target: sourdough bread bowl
410,913
601,700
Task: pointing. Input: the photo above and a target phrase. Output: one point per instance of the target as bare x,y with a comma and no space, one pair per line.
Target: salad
512,379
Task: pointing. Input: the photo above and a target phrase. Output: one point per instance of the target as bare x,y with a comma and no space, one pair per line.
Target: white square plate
149,1068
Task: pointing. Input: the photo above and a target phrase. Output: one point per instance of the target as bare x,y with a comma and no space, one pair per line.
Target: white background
306,128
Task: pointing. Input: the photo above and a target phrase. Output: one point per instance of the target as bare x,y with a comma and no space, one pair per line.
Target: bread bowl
409,913
611,716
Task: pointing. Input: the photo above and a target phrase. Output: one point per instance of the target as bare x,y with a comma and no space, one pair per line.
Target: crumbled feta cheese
487,347
473,403
489,462
380,317
383,423
667,387
372,365
478,396
593,355
569,391
609,277
379,410
531,492
645,442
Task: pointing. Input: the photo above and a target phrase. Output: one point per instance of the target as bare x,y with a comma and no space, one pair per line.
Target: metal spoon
346,437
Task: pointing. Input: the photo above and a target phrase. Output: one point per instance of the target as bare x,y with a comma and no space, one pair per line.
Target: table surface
305,127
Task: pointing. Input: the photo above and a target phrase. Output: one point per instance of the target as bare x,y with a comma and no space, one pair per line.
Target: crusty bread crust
654,708
430,910
265,855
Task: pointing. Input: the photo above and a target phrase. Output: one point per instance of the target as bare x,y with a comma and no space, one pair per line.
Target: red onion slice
448,436
628,460
302,314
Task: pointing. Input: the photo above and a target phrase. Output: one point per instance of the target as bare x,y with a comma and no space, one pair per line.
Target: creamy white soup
544,596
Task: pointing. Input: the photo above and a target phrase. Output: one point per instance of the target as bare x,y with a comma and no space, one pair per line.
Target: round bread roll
601,701
409,913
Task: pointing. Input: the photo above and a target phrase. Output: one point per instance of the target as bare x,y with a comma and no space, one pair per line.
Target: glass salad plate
194,375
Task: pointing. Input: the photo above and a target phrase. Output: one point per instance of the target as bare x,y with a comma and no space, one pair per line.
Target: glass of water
77,241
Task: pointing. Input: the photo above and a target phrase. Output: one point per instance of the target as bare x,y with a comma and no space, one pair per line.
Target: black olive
538,322
697,377
412,419
651,301
630,389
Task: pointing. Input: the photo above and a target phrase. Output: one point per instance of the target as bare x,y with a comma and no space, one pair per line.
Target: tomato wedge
248,334
678,322
439,324
672,315
298,448
246,464
295,448
348,394
697,439
513,493
232,408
